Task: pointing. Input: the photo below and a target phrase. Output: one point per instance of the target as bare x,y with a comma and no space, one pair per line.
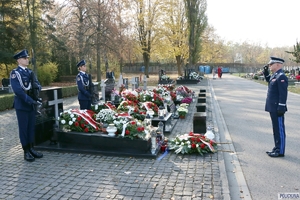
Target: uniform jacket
20,82
83,85
277,91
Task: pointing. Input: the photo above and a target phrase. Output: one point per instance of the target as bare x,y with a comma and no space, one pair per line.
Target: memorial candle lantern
160,129
111,129
161,112
112,97
150,112
148,120
153,141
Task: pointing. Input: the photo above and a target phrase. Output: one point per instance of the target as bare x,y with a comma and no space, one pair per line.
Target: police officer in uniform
84,95
20,80
276,103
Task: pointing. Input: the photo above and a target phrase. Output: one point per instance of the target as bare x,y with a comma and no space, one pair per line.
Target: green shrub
47,73
69,91
255,77
6,101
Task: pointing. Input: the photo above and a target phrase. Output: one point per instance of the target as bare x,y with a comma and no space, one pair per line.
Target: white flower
58,118
63,121
70,123
189,146
74,119
177,143
197,145
72,115
96,107
182,144
188,142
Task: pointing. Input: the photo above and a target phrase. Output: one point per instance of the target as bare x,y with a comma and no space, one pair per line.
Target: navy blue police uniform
84,96
276,106
20,80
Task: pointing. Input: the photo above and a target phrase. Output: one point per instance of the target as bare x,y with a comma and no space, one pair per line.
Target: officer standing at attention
20,80
276,103
84,96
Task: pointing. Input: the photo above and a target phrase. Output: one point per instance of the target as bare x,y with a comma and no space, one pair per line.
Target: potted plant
182,111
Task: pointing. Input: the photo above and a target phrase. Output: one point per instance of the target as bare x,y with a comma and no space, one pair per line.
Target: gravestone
103,85
145,82
49,112
137,82
199,122
110,85
125,82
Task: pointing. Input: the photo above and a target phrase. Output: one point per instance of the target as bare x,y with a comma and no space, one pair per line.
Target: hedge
6,100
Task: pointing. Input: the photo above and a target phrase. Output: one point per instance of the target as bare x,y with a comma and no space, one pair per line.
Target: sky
272,22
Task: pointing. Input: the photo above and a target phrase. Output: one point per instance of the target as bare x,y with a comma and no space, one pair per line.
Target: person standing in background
276,103
219,72
24,104
82,79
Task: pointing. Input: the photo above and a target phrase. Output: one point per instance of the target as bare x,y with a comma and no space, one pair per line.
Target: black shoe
28,157
275,154
273,150
35,154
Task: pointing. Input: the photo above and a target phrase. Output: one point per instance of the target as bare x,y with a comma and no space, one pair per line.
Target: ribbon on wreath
86,116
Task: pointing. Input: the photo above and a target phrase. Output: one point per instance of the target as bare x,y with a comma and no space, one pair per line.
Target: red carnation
193,146
82,125
79,118
191,134
86,122
76,124
127,132
86,130
133,122
202,146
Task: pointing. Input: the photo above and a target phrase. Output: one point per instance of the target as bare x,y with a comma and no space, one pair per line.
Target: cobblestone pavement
83,176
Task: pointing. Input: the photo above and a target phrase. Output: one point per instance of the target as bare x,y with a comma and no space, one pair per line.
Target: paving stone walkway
83,176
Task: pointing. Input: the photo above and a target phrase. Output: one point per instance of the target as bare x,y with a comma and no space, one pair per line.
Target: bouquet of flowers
165,77
192,143
130,95
187,100
133,130
150,105
145,96
195,76
79,120
183,91
128,106
106,116
102,105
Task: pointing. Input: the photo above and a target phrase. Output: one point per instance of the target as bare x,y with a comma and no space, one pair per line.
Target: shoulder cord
83,81
21,81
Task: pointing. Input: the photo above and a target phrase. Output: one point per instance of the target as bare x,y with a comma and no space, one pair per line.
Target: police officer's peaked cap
21,54
276,60
80,63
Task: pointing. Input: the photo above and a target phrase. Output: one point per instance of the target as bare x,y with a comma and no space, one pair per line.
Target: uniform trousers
26,123
278,131
85,104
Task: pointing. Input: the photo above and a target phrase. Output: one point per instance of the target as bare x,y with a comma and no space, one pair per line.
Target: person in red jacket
219,72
